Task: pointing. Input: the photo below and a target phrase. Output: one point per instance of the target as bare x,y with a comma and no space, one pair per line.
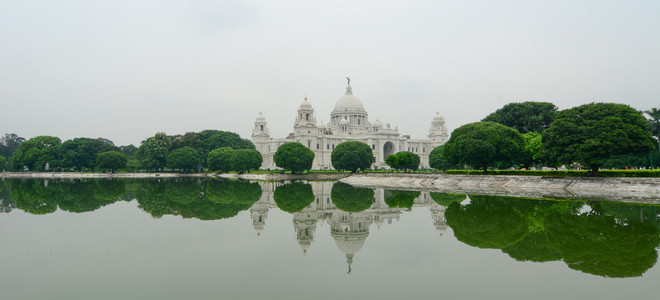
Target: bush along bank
561,173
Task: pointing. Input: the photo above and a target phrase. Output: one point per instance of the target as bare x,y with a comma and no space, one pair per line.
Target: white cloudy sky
125,70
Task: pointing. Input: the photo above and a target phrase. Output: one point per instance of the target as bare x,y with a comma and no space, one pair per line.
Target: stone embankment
644,190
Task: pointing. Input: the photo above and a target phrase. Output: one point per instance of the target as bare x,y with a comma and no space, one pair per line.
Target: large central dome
349,103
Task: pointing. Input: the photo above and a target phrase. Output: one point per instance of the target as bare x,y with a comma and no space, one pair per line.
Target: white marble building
349,121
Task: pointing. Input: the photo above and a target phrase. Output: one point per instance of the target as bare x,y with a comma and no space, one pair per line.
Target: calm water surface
214,239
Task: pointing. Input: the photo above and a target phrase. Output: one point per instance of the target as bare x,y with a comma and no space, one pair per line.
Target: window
307,117
328,147
262,127
358,121
373,147
317,146
309,144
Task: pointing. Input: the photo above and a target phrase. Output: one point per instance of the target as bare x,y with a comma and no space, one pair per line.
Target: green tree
402,199
10,143
128,150
392,161
294,156
245,160
153,151
185,159
403,160
214,139
482,144
654,121
3,163
351,199
531,150
111,160
80,153
133,164
590,133
525,117
437,159
220,159
293,197
38,152
352,156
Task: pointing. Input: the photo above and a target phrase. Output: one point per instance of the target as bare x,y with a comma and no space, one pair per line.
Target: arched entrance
388,149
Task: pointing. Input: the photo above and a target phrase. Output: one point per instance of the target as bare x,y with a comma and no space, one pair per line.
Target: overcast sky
124,70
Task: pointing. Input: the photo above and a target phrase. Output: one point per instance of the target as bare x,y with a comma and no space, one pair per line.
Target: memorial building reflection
349,211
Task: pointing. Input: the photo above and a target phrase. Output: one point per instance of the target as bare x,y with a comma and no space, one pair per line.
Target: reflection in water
599,238
608,239
349,211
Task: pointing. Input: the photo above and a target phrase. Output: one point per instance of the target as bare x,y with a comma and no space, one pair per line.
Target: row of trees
186,152
532,133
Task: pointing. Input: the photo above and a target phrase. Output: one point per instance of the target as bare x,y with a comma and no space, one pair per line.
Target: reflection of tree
184,197
87,195
33,197
402,199
487,222
534,247
445,199
351,199
601,245
225,191
293,197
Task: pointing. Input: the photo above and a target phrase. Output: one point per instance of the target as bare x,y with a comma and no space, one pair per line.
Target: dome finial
349,80
349,91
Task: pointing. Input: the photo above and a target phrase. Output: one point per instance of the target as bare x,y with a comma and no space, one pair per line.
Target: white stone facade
349,121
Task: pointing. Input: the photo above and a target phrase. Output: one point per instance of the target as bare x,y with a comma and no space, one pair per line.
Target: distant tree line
186,153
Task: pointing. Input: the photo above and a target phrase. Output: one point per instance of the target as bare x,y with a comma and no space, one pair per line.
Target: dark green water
215,239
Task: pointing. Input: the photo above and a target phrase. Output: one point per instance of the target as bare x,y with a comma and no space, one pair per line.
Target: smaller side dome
378,124
261,118
306,104
322,125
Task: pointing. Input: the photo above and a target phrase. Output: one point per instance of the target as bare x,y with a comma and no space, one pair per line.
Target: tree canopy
403,160
525,117
294,156
654,121
111,160
154,150
38,152
245,160
352,156
220,159
80,153
590,133
185,159
10,143
437,159
483,144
